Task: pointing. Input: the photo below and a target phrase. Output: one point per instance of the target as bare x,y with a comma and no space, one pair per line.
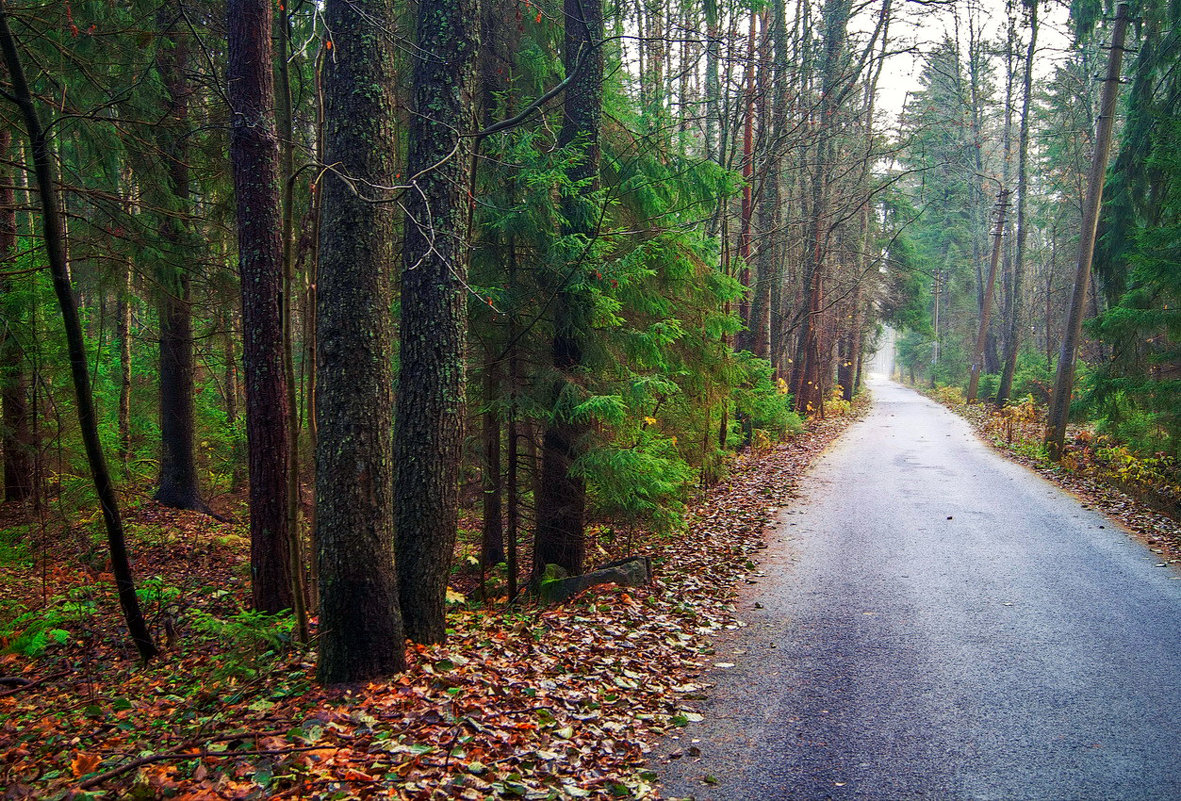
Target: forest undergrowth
1142,492
523,701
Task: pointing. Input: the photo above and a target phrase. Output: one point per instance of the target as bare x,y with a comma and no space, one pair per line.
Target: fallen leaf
82,764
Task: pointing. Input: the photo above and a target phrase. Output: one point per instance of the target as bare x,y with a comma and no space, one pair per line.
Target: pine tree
561,506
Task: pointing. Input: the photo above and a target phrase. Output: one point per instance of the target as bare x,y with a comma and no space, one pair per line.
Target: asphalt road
940,623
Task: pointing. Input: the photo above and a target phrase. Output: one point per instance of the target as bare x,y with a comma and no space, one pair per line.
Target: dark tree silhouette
254,153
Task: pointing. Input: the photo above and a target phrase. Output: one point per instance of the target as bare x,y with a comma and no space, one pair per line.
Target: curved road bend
940,623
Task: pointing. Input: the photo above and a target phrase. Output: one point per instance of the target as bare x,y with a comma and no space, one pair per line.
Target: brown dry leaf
82,764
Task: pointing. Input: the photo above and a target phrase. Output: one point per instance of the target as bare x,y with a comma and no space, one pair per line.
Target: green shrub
762,402
950,395
35,631
251,639
648,481
14,546
987,386
1124,419
249,631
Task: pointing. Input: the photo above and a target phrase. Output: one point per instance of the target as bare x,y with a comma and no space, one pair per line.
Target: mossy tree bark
561,501
360,623
428,433
254,153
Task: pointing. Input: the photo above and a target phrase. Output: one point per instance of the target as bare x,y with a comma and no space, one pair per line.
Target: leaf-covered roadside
1142,493
526,702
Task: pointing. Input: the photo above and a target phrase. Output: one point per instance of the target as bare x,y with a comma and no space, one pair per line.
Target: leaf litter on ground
521,702
1086,477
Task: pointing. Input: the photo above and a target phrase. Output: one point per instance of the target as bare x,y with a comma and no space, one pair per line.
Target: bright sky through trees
919,27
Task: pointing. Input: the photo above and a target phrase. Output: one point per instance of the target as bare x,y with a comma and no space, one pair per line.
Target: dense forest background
537,265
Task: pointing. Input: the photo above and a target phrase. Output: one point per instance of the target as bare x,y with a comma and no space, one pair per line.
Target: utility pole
1064,381
1002,204
935,314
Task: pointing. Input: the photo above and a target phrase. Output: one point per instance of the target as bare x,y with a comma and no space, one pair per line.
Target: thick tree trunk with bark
254,154
360,621
428,429
178,485
561,501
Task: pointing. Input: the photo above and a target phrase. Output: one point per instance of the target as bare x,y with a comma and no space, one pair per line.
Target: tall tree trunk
561,501
812,362
287,180
746,213
232,393
311,333
254,154
499,41
123,333
977,192
178,486
360,620
54,236
990,361
230,358
713,120
14,389
767,272
998,330
492,552
654,48
715,131
866,270
1059,412
1016,308
1002,203
512,477
428,427
849,345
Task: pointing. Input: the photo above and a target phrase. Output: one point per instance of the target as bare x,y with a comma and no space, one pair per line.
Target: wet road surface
940,623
